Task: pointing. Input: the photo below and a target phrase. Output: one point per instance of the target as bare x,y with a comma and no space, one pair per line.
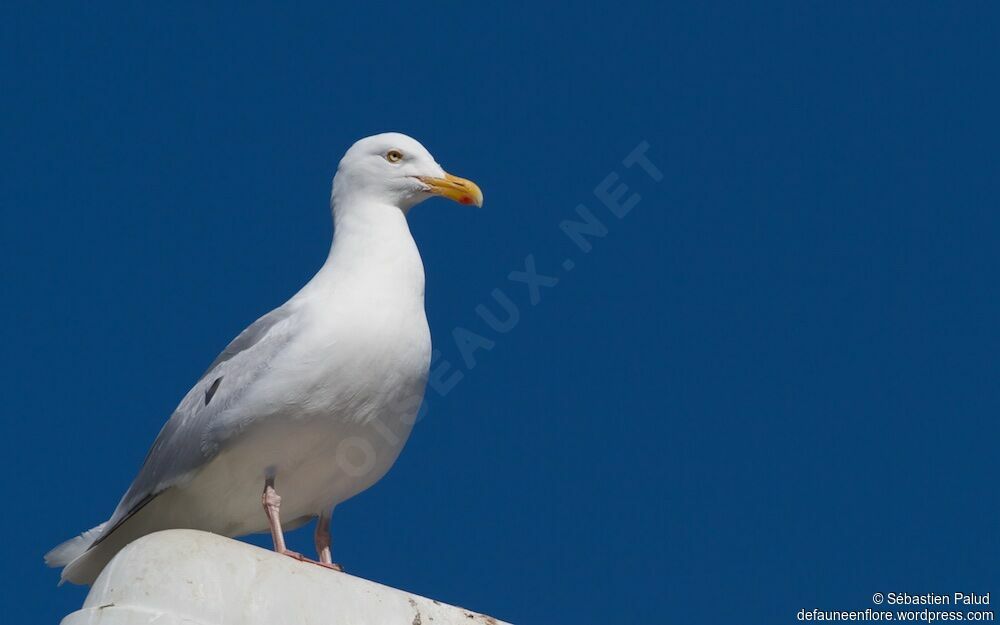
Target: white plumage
318,395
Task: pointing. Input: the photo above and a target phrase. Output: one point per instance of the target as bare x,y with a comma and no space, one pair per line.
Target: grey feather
249,337
210,393
187,441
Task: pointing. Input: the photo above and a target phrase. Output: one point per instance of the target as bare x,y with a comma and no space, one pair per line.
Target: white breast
337,405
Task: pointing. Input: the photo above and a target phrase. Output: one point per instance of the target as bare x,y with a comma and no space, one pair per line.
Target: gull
315,399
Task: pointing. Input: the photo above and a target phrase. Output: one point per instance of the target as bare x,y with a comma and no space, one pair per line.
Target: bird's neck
373,252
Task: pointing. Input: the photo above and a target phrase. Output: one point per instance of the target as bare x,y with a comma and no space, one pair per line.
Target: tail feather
73,548
84,557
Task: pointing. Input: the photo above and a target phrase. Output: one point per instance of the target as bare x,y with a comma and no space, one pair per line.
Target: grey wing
184,444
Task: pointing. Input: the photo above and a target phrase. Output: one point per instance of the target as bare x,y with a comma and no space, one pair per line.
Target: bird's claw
301,558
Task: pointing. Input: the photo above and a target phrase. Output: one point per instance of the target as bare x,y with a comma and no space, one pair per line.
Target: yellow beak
454,188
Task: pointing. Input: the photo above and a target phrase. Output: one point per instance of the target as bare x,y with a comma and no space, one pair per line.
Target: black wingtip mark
211,390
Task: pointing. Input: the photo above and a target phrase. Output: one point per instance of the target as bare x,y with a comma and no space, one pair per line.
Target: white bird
315,399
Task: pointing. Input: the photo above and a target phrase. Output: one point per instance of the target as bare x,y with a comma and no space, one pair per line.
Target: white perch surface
189,577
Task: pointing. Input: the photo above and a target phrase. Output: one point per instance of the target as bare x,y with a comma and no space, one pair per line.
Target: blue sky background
771,386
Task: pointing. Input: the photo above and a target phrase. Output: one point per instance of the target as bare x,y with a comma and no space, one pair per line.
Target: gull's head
394,169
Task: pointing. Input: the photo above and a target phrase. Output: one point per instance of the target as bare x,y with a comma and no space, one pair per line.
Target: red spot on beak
465,199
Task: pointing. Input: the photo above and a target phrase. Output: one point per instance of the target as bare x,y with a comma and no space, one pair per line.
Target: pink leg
322,538
272,503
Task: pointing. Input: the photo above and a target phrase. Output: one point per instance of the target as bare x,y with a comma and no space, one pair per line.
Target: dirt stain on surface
416,617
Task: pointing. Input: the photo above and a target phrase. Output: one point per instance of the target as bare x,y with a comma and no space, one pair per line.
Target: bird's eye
393,156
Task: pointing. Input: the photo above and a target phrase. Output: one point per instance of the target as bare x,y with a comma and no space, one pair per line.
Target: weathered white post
195,578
